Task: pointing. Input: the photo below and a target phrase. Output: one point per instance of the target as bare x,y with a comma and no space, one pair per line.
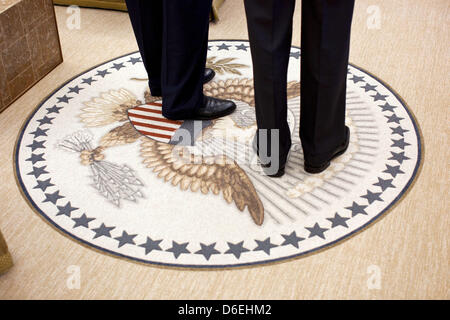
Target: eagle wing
121,135
214,174
242,90
110,107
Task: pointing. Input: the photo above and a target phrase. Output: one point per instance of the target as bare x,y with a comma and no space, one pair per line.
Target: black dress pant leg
270,32
185,46
325,45
173,39
147,21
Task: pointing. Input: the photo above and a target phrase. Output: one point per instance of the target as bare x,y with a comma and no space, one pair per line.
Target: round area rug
99,162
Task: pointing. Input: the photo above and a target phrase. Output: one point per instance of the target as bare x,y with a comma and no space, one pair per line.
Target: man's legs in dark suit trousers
270,32
172,36
325,47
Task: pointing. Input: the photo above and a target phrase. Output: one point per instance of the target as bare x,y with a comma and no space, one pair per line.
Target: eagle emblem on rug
142,121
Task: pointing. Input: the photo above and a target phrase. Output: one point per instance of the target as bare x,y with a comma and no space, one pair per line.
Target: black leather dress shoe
209,75
266,167
268,172
318,168
214,108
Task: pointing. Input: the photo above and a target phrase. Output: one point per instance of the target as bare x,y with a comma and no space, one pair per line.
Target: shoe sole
315,170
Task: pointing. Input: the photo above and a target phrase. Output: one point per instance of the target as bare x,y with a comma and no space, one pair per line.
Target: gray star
379,97
399,157
135,60
39,133
338,221
394,118
393,170
43,185
103,73
372,197
357,79
384,184
224,46
209,48
54,109
208,251
242,47
369,87
45,120
295,55
388,107
36,158
291,239
36,145
75,89
400,143
89,81
82,221
118,66
399,130
37,172
317,231
64,99
103,231
178,249
52,197
265,246
151,245
126,238
66,210
357,209
236,249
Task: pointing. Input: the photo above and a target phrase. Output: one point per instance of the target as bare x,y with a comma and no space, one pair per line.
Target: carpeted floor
408,247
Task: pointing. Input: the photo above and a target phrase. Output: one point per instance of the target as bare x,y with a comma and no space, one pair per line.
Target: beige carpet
409,247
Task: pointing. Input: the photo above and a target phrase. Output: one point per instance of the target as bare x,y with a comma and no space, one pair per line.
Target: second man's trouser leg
326,28
270,33
176,31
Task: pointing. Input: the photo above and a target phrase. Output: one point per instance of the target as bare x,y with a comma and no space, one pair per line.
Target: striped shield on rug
149,121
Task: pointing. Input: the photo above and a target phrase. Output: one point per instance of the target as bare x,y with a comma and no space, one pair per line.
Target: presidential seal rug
99,162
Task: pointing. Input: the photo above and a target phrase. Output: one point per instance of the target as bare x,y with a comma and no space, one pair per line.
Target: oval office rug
98,160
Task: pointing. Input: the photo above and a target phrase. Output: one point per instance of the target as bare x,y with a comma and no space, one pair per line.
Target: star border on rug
209,250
